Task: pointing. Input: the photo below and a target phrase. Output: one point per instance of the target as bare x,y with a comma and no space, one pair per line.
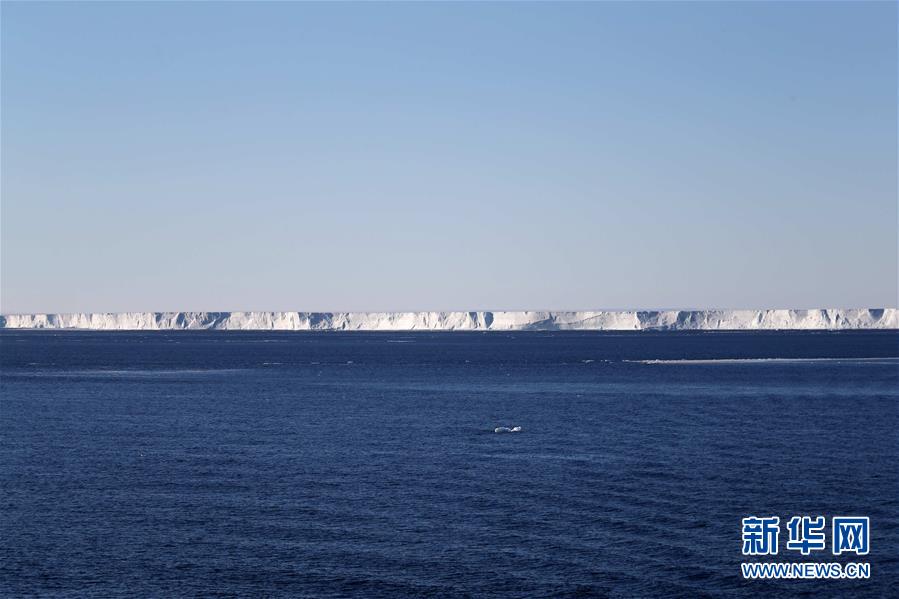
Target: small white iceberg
506,429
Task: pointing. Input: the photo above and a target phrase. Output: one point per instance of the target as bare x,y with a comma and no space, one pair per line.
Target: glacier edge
600,320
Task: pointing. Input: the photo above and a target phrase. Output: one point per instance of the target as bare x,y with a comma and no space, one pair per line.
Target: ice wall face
667,320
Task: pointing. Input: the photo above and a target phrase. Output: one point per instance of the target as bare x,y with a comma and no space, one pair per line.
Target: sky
459,156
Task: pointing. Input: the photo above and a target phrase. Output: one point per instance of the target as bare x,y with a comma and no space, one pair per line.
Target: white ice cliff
664,320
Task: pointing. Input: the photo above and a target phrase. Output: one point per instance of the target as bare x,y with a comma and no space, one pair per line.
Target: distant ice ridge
663,320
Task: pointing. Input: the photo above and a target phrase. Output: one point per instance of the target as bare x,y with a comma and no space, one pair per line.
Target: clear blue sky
163,156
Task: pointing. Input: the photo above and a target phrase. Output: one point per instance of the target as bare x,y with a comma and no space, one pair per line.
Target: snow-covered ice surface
662,320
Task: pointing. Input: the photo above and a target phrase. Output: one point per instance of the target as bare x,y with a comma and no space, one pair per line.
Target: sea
268,464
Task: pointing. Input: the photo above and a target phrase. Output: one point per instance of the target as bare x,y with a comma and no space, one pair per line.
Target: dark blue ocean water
364,464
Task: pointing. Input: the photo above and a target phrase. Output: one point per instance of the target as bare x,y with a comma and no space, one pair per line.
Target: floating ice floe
506,429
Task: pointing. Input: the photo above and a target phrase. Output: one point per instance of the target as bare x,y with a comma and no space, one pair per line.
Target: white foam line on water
124,373
762,360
